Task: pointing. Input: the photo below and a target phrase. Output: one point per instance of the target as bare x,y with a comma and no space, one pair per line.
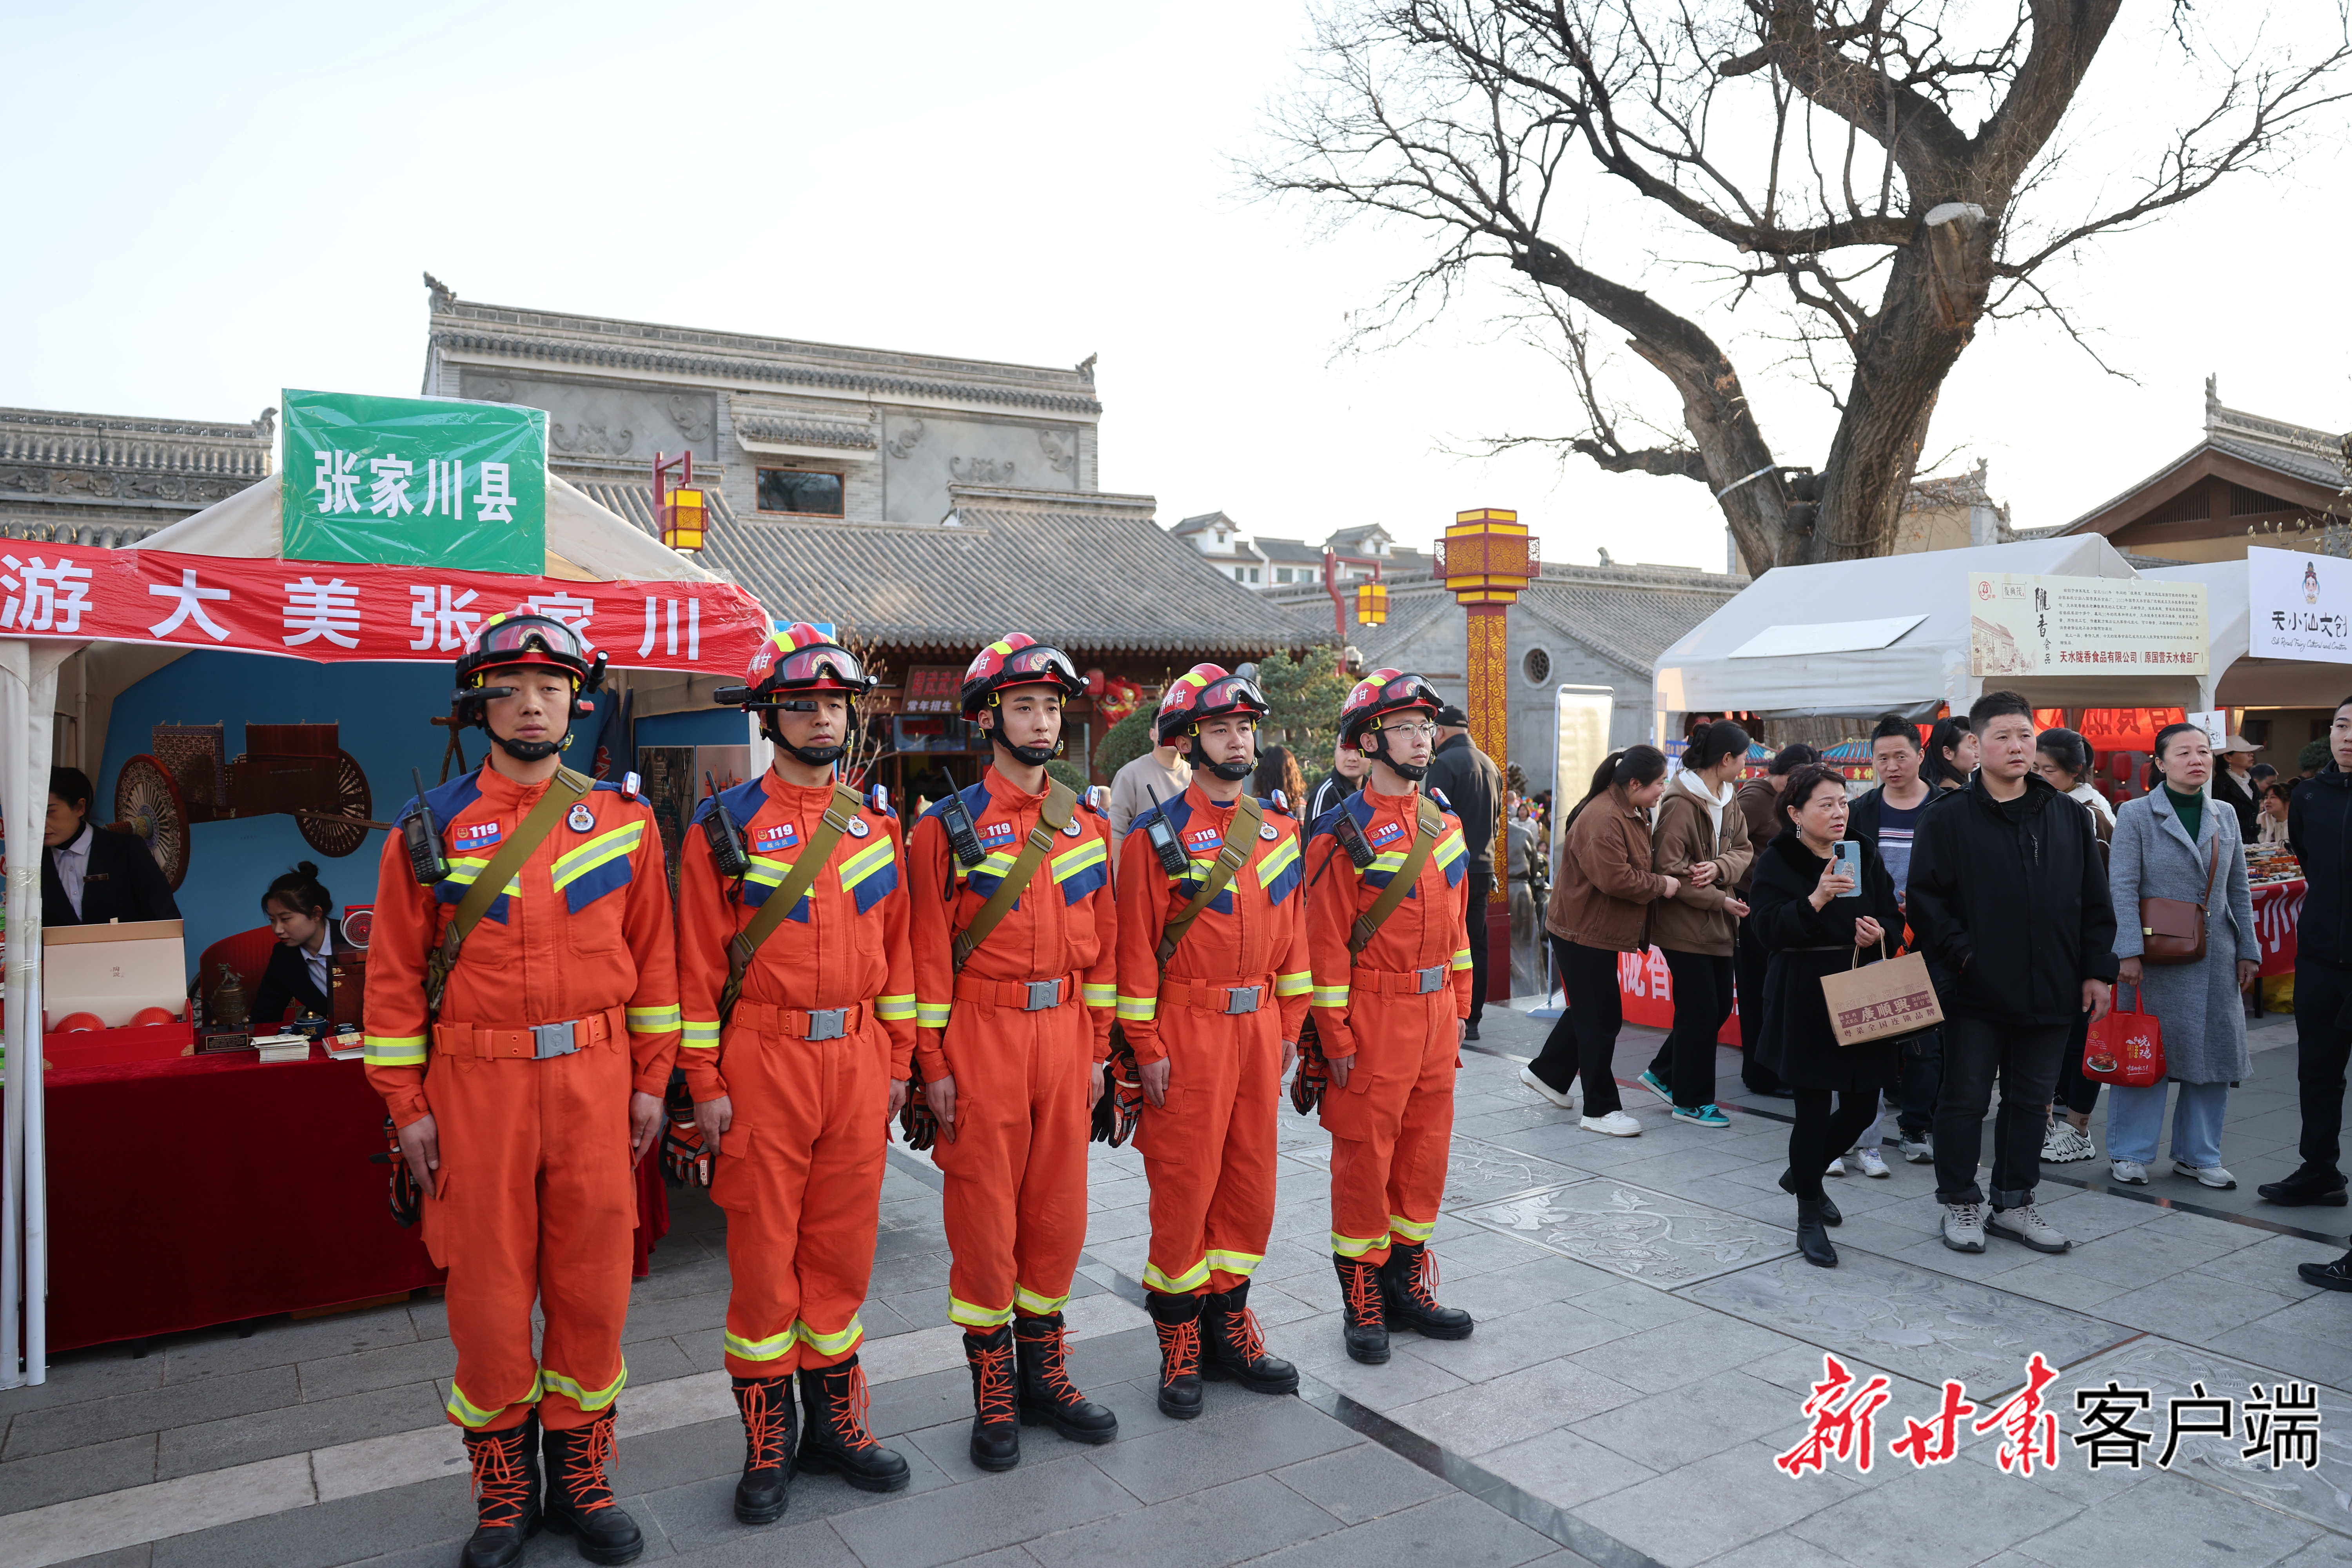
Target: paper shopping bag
2126,1048
1878,1001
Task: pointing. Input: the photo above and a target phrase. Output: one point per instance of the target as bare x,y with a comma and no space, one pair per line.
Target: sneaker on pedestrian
2130,1173
2336,1276
1837,1167
1704,1116
2212,1176
1616,1124
2025,1223
2308,1185
1920,1151
1649,1080
1564,1099
1872,1164
1964,1226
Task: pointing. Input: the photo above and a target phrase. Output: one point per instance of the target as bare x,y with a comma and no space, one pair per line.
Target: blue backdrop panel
712,727
383,714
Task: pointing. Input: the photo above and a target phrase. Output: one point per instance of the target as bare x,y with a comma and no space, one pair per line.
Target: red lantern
1095,681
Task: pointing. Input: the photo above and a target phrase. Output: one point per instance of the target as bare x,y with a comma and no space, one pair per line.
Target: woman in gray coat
2166,845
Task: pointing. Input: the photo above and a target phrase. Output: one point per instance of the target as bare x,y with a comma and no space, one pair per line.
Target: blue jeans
2136,1121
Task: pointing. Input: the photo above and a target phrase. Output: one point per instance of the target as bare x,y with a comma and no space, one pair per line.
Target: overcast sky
213,202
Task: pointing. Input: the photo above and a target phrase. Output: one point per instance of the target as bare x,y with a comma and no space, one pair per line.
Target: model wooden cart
295,769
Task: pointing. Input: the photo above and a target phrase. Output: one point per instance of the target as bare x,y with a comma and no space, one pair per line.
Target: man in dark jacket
2319,828
1473,786
90,876
2009,904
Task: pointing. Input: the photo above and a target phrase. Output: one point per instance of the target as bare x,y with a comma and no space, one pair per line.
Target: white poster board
1582,740
2298,607
2021,625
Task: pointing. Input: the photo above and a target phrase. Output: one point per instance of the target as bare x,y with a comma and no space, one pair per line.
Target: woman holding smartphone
1822,902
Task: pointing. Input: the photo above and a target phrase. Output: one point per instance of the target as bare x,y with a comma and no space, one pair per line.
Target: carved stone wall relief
980,471
1061,449
585,441
904,446
693,415
607,425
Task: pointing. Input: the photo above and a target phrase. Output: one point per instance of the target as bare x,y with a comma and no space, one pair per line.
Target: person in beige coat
1600,907
1701,841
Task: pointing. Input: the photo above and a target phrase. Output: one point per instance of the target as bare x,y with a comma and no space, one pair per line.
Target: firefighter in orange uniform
1390,1017
797,1087
1214,1031
523,1105
1009,1044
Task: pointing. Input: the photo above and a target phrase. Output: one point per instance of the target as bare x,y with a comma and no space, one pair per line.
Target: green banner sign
414,481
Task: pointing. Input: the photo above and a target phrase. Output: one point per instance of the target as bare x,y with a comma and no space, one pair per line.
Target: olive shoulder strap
1427,821
1052,818
565,790
745,943
1222,871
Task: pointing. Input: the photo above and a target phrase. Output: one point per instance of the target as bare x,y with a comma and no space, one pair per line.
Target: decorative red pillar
1485,560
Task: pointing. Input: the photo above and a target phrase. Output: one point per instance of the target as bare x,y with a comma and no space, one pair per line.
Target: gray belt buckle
827,1023
1430,979
1042,994
1241,998
552,1041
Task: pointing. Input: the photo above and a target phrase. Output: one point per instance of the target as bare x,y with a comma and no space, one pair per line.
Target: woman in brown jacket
1701,839
1601,903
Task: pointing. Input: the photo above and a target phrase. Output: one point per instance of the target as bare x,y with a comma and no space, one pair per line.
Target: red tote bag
2126,1048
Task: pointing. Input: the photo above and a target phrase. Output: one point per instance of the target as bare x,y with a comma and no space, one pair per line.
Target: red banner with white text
333,611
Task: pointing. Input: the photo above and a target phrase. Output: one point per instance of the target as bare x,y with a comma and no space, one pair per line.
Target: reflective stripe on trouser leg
1209,1152
1016,1204
800,1176
537,1203
1380,1122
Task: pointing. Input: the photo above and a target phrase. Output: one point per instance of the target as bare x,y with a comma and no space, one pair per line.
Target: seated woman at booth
300,909
90,876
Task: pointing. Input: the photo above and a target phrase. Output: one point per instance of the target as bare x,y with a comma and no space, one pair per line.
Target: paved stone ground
1646,1340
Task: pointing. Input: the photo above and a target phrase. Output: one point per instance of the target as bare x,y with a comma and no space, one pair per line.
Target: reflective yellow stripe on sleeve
653,1020
395,1051
1330,997
1297,985
890,1009
933,1015
1462,959
1138,1009
701,1035
1098,995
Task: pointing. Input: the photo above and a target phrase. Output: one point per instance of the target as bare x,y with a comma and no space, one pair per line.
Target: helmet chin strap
1232,773
1412,772
1029,756
529,751
808,756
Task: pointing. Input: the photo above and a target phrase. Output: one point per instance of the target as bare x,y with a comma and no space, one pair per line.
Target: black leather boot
1829,1215
766,1405
996,1407
580,1497
1812,1239
1230,1346
1046,1392
1366,1326
2306,1186
1409,1290
506,1494
1177,1319
835,1441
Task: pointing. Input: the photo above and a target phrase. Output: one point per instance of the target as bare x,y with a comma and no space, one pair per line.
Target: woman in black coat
1812,928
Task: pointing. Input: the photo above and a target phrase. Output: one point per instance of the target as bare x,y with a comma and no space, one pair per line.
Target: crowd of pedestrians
2036,905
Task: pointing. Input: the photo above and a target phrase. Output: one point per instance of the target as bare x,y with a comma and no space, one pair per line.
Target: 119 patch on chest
995,835
1386,833
470,837
1204,841
776,835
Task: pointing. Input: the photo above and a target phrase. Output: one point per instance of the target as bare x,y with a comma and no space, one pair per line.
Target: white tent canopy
586,542
1833,639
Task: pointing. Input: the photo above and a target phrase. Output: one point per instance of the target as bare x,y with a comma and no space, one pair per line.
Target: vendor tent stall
2242,680
1890,635
217,580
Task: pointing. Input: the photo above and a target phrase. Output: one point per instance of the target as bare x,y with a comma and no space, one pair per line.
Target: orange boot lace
1421,1280
1179,1350
1360,1296
767,1423
1052,1347
847,1403
997,1396
501,1477
1241,1335
584,1458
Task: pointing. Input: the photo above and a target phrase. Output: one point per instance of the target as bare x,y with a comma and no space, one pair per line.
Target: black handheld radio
962,837
1352,839
1162,838
728,856
422,837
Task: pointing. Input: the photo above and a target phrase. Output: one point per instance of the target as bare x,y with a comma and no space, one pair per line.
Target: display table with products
199,1190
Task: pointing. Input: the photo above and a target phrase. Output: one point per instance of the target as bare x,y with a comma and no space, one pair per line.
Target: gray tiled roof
1095,582
1290,552
1630,623
805,432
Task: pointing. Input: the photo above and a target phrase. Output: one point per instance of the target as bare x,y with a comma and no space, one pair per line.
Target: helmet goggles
808,667
1030,666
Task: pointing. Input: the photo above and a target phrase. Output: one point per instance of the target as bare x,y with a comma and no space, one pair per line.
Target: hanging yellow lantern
681,520
1372,604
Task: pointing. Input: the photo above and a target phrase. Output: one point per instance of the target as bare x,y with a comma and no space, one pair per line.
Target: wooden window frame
759,510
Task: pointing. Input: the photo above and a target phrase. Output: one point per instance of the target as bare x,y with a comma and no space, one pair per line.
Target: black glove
1121,1104
917,1125
685,1157
405,1197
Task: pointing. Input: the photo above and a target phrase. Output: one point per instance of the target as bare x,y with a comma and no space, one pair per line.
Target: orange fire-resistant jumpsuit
1208,1152
1020,1029
825,1020
1396,1007
563,1000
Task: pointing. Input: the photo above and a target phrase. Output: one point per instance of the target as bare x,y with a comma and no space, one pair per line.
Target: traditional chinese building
110,480
924,505
2251,479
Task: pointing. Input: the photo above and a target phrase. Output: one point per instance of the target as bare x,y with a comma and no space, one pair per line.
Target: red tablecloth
2277,908
203,1190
